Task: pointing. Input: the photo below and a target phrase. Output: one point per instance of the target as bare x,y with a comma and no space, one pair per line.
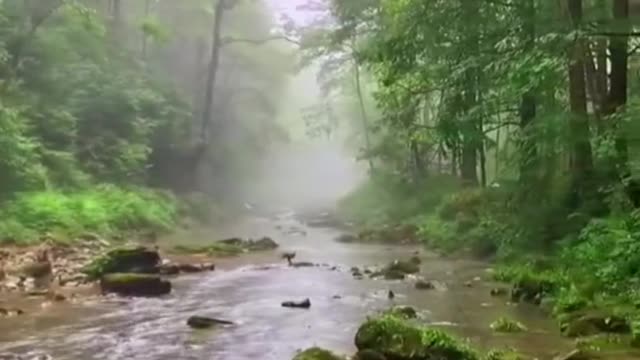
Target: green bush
103,209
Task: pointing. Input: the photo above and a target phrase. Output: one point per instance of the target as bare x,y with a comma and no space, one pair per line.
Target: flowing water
249,291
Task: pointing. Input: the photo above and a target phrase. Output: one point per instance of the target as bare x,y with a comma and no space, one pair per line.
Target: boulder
202,322
132,284
316,353
124,260
395,338
304,304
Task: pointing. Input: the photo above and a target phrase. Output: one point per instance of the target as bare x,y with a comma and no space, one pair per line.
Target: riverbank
574,268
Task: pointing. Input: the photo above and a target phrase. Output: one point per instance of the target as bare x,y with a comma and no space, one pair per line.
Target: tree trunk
214,61
618,47
145,38
116,20
363,112
581,162
528,102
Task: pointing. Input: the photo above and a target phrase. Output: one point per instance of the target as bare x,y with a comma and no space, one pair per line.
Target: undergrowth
104,209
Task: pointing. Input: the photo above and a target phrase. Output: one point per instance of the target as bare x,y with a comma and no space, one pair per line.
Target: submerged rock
138,260
131,284
304,304
317,353
202,322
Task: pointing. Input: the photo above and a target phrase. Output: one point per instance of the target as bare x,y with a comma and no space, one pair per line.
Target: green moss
316,353
395,338
506,325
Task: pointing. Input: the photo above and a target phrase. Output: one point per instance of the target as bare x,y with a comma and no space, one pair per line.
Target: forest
105,100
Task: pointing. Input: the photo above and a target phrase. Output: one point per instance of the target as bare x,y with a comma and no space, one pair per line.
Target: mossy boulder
591,322
316,353
131,284
263,244
124,260
396,339
506,325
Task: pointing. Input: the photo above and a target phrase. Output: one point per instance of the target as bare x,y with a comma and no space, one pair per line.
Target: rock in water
424,285
202,322
304,304
124,260
134,285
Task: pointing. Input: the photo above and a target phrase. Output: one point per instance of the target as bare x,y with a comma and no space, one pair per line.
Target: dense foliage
532,105
113,92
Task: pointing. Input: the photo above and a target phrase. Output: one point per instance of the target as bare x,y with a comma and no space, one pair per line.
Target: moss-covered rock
124,260
506,325
131,284
317,353
396,339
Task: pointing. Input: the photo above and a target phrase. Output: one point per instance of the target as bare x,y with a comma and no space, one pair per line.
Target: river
249,290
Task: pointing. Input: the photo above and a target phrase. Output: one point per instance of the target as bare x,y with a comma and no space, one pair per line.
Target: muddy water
249,291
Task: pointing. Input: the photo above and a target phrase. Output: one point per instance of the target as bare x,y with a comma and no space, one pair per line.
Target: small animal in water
391,295
289,256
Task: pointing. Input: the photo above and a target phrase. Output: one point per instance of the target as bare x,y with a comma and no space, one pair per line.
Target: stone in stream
574,355
304,304
131,284
424,285
202,322
592,322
